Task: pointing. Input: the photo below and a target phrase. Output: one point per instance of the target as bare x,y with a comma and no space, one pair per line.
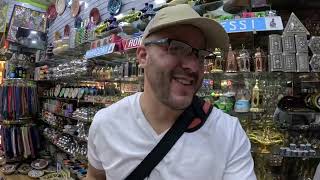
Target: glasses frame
168,41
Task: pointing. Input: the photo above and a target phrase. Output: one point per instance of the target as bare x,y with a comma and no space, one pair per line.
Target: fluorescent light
34,42
33,32
157,2
119,16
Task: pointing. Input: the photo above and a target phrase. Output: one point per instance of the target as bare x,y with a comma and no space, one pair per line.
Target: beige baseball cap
183,14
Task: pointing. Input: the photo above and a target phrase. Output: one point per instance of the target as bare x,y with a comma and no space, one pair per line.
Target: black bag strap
195,110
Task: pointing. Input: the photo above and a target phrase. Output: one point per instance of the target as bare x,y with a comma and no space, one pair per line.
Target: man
175,43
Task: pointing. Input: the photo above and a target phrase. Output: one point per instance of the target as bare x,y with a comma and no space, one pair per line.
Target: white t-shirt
120,137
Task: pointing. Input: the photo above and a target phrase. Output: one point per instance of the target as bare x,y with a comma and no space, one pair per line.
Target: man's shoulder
221,122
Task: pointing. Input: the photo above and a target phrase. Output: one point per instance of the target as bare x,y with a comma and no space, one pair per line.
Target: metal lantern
259,60
243,60
231,64
256,98
217,61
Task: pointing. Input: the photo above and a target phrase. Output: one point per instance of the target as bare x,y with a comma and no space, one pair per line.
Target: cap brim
214,33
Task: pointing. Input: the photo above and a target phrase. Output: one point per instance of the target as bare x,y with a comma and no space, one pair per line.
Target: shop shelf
72,118
63,150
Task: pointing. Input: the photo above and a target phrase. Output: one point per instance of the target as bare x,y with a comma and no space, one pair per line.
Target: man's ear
142,56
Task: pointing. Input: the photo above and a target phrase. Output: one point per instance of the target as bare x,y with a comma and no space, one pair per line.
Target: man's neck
159,116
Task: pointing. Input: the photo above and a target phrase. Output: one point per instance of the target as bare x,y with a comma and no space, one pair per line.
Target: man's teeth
184,81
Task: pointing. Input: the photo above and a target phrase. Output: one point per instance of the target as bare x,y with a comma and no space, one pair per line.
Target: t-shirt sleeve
93,157
240,163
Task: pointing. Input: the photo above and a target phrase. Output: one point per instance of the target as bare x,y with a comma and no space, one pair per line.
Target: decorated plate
75,92
75,8
24,169
39,164
35,173
62,92
66,93
114,6
57,90
60,6
70,93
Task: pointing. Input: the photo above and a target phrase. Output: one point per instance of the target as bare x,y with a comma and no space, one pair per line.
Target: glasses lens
203,53
179,48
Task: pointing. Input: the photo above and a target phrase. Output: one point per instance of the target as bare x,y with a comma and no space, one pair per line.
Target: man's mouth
186,81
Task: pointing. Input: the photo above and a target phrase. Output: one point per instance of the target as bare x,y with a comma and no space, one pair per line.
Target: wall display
301,43
275,45
60,6
302,62
75,8
26,18
314,44
295,26
289,62
275,62
114,6
315,63
288,43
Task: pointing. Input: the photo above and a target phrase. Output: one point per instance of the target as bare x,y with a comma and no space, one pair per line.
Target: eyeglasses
179,48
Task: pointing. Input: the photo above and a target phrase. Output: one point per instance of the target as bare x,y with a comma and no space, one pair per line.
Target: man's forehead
178,32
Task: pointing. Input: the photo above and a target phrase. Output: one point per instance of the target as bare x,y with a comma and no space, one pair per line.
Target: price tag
100,51
132,43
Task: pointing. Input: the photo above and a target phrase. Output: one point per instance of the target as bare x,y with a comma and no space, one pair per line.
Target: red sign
132,43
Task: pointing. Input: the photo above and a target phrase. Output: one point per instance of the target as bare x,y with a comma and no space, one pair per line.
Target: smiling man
175,44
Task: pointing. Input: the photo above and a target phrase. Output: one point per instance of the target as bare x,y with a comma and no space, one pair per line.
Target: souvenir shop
63,60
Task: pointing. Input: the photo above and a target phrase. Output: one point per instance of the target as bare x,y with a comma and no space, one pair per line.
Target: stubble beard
160,81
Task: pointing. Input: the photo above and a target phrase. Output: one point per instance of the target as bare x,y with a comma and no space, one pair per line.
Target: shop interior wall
66,18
